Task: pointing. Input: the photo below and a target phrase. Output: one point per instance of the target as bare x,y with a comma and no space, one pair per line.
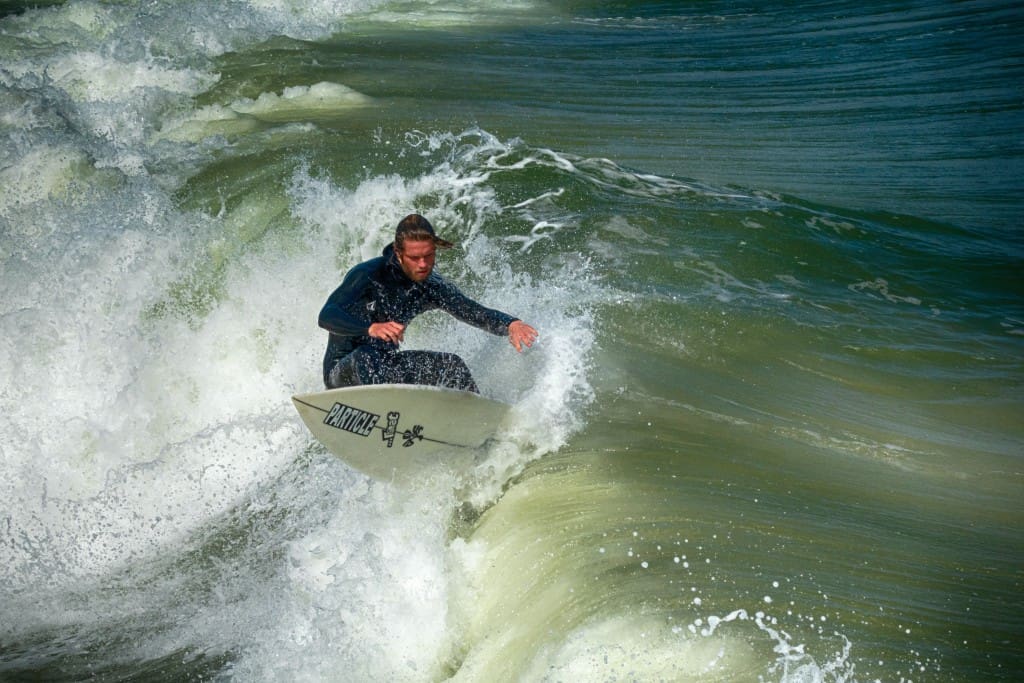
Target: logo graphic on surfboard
361,422
389,431
351,419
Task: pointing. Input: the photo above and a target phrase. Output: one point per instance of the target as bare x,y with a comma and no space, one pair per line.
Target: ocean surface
773,429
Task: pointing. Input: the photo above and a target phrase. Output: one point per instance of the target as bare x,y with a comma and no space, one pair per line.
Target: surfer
367,314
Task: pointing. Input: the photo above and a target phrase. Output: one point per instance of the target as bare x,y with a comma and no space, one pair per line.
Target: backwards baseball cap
416,228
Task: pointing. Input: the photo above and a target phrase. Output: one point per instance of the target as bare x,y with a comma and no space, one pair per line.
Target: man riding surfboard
367,314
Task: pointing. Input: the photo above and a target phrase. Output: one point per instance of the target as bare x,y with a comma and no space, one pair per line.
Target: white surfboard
394,431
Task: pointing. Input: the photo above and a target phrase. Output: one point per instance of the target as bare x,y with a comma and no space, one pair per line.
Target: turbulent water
772,430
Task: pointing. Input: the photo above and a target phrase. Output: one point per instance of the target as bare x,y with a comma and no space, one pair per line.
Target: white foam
112,436
365,596
91,77
322,96
297,103
46,172
793,662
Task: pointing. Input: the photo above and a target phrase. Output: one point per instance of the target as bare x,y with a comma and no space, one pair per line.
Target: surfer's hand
389,331
521,335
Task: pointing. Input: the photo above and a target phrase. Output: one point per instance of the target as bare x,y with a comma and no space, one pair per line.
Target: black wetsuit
377,291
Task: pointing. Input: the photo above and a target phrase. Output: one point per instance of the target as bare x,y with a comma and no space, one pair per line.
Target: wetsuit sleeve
454,302
337,314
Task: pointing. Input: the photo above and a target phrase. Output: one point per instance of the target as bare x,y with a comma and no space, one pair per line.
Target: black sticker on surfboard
351,419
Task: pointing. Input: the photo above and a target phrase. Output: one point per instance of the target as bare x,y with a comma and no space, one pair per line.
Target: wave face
772,428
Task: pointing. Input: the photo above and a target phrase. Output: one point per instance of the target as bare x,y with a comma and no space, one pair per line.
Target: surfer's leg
435,368
345,373
365,365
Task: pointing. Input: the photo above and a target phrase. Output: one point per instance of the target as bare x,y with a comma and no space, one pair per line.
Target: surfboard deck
394,431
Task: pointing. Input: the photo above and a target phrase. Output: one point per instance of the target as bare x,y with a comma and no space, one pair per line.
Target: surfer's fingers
388,331
521,334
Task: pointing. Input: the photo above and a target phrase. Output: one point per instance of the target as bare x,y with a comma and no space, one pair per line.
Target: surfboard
395,431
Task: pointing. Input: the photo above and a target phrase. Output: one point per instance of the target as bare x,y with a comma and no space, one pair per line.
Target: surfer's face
417,259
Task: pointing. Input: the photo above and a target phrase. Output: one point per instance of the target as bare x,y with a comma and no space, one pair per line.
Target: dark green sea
774,426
